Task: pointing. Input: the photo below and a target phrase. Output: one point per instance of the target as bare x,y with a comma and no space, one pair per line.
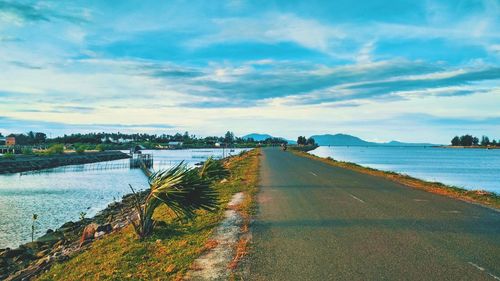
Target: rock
85,242
41,262
119,225
51,238
106,228
62,258
68,225
112,205
99,234
224,181
23,258
3,251
88,233
42,254
58,244
35,246
13,253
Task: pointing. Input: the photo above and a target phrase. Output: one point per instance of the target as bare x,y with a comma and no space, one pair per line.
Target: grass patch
174,245
476,196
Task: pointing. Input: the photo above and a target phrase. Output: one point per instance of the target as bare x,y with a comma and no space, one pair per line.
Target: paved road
319,222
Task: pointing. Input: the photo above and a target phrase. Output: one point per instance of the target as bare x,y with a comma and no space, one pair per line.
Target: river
60,194
467,168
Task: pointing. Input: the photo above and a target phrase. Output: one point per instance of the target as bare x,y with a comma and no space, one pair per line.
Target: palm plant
183,190
213,170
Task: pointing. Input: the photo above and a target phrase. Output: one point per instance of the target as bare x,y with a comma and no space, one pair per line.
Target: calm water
467,168
59,195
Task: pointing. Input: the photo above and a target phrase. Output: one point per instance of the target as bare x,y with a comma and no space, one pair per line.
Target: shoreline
468,147
30,259
26,163
482,197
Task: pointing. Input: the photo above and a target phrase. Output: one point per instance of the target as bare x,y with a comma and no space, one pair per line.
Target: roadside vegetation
477,196
168,252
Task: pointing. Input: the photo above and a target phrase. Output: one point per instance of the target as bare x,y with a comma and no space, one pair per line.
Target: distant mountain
398,143
257,137
348,140
261,137
339,140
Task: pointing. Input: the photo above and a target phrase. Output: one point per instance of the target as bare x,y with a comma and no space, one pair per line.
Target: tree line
29,138
469,140
187,139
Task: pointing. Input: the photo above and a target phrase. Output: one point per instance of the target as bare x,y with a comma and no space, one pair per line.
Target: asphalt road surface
319,222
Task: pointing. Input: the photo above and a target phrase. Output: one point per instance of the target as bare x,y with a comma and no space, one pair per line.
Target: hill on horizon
262,137
348,140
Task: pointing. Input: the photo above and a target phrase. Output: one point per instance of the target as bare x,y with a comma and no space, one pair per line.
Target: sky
419,71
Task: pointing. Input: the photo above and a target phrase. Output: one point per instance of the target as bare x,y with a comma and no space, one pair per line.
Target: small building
173,144
122,140
2,140
10,140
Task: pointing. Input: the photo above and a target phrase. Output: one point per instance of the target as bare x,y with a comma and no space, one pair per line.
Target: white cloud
273,28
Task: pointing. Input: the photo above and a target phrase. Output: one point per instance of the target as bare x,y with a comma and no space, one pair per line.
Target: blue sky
381,70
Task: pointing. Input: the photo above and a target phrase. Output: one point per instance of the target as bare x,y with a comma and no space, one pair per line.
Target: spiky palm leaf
184,190
213,170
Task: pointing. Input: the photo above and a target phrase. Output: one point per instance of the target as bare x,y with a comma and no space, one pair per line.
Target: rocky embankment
33,258
24,163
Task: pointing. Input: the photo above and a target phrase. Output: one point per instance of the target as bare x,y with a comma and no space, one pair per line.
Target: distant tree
40,137
494,142
466,140
229,137
301,140
177,137
485,141
475,141
455,141
22,139
31,135
311,141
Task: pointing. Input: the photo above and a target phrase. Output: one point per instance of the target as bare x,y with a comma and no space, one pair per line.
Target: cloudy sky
382,70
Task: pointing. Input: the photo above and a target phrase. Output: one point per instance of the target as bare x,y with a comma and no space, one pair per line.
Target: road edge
478,197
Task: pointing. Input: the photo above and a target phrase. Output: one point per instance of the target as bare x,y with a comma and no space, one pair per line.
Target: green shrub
56,149
80,150
9,155
99,147
27,151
